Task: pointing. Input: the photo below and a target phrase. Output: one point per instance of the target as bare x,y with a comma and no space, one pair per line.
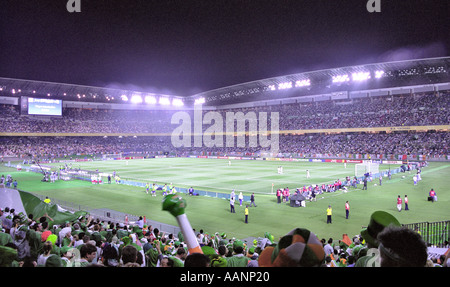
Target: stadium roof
351,78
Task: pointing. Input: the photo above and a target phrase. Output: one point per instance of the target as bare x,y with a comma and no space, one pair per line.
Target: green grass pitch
213,214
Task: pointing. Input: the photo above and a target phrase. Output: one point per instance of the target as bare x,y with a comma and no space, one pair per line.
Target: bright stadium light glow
124,98
150,100
177,102
303,83
271,88
136,99
361,76
379,74
285,85
341,79
199,101
164,101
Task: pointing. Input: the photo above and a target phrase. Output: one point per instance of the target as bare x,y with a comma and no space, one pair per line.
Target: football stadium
325,167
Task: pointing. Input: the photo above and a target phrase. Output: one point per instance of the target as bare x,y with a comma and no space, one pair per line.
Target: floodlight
124,98
379,74
341,79
271,88
303,83
136,99
361,76
177,102
285,85
150,100
199,101
164,101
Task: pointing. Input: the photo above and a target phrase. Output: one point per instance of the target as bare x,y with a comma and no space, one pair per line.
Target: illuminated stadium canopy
332,83
319,85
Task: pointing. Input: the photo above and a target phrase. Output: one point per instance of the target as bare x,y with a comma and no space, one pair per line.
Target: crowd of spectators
430,144
26,241
387,111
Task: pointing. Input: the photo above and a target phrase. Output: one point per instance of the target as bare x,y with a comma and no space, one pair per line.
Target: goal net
367,167
111,156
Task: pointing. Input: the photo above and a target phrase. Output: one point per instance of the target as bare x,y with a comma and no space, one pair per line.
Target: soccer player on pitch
399,203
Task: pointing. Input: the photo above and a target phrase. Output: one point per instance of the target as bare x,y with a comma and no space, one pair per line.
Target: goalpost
366,167
111,156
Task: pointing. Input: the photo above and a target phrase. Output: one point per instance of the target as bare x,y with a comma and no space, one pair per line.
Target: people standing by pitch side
365,183
399,203
232,204
329,213
252,200
347,209
246,213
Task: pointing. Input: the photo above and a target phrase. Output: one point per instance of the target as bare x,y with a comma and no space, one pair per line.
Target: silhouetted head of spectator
401,247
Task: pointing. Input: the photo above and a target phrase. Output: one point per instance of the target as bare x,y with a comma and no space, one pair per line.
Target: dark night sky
186,47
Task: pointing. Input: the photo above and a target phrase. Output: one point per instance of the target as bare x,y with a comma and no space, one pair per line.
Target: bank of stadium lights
285,86
355,77
271,87
177,103
14,91
136,99
150,100
341,78
302,83
360,76
289,85
199,101
164,101
434,70
379,74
